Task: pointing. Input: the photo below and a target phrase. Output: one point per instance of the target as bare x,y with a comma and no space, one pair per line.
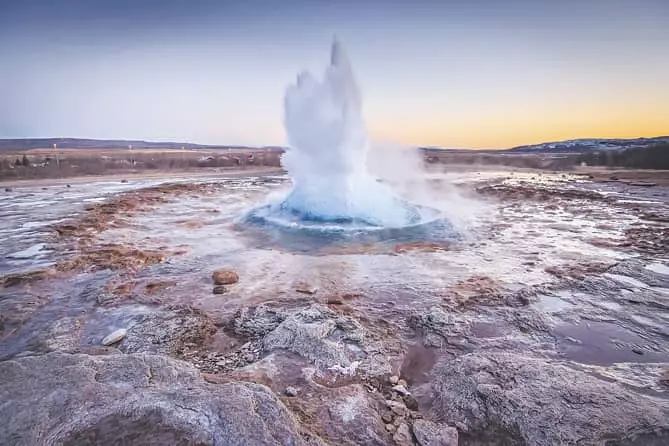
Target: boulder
224,277
428,433
76,399
256,322
168,331
349,416
522,400
309,333
402,435
336,344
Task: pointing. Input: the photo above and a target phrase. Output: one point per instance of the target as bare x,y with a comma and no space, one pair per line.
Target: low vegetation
63,164
652,157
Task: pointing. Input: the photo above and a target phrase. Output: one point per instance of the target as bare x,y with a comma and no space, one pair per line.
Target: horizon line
419,146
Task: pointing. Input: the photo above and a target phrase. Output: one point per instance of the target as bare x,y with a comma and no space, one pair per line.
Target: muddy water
508,246
604,343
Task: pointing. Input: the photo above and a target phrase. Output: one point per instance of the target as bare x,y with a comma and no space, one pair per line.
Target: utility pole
132,161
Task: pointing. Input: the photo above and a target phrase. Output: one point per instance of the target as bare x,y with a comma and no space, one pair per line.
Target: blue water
335,201
272,227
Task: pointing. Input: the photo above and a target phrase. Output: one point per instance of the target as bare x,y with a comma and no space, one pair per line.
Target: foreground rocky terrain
149,314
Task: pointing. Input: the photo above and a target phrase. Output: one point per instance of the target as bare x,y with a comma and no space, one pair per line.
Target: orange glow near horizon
499,132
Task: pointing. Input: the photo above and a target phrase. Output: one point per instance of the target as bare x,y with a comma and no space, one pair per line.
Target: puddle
417,364
658,268
551,304
603,343
641,202
486,330
607,304
626,280
28,253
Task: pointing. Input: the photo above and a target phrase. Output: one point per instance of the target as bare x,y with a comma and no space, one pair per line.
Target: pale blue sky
454,73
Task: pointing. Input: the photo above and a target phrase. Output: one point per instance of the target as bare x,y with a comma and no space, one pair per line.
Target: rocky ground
156,319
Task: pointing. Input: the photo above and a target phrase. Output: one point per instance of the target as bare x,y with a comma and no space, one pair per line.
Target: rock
168,331
305,288
224,277
390,427
350,417
664,379
8,189
387,417
394,380
114,337
428,433
518,398
291,391
157,287
310,333
398,409
402,435
134,399
410,402
68,185
255,322
220,289
438,327
402,390
124,181
63,334
336,344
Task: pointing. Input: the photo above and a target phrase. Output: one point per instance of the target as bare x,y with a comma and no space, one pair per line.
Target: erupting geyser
326,160
327,153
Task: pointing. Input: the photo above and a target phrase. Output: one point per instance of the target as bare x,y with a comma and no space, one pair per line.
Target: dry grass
601,174
579,270
67,163
113,257
10,280
113,213
420,247
100,217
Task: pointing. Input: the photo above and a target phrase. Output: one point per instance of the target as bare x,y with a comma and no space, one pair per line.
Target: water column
326,158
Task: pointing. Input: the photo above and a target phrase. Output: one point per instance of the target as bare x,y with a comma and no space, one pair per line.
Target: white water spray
327,155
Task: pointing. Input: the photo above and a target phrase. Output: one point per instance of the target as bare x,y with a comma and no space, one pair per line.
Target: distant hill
573,146
592,145
77,143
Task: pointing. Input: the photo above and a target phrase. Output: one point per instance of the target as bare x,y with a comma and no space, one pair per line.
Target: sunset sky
478,73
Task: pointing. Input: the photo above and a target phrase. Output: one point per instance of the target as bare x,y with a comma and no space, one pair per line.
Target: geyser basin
333,194
283,228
